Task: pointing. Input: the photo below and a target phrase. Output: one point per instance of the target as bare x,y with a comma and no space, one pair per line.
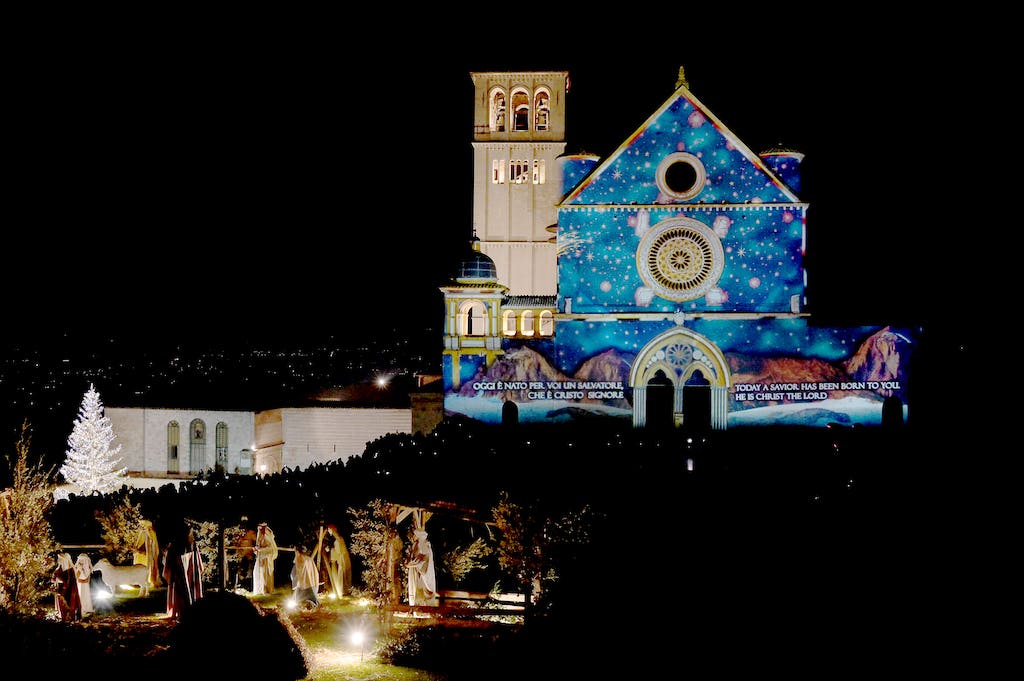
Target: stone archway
679,354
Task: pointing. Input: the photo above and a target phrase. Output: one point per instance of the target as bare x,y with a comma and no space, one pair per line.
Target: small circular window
680,259
681,175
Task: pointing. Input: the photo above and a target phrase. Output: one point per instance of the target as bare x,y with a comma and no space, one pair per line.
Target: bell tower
518,133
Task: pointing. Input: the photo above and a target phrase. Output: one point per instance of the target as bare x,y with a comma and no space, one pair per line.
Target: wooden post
223,552
316,557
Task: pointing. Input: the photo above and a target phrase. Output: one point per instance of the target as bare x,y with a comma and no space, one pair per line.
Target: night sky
204,186
187,181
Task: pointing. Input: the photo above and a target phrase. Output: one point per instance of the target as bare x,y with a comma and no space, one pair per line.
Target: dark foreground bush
225,636
458,652
68,648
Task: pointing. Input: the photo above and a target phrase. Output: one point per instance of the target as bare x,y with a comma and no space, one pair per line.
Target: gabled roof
734,173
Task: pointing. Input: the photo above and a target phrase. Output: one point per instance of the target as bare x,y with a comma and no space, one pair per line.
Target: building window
497,113
541,110
197,446
681,176
680,259
508,323
539,174
526,322
173,440
547,323
520,110
222,446
473,319
518,172
245,462
498,171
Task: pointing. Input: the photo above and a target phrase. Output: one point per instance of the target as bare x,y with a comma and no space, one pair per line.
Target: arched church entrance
660,412
509,414
697,403
892,412
698,373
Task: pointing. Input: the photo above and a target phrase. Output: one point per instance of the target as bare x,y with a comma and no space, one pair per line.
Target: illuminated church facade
663,285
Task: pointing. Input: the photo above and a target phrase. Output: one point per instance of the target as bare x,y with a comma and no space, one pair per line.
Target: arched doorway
892,412
509,414
660,401
697,403
678,354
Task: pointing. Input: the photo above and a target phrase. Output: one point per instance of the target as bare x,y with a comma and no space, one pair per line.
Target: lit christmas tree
91,463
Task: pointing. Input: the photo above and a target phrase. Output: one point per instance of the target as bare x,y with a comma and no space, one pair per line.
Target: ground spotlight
358,638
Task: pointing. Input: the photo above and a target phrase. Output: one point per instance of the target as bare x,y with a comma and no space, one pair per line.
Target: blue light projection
615,311
795,337
762,249
779,371
734,174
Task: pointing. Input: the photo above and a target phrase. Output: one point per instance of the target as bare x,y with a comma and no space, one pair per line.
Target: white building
171,442
180,443
296,437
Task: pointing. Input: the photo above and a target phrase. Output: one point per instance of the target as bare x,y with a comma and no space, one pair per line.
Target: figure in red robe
65,587
183,572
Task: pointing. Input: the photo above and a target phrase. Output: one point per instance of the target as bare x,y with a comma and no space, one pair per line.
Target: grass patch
131,632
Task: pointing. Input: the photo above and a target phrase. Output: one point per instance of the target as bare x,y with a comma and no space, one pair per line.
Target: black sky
295,183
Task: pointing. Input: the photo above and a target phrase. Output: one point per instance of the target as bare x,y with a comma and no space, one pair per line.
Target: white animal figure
116,575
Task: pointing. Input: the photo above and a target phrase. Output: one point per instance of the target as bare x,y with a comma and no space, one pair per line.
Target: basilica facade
663,285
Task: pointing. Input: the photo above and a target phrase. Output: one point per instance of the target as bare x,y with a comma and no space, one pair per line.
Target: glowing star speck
716,296
787,217
696,119
681,146
721,225
643,296
754,282
606,286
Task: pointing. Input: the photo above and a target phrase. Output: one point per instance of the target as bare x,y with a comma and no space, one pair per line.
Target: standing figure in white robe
266,554
339,564
83,575
422,584
305,577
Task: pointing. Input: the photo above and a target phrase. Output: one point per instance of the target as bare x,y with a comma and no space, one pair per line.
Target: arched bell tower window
520,110
541,109
497,112
473,319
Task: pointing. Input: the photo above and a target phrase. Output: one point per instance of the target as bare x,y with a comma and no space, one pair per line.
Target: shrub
224,635
26,540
